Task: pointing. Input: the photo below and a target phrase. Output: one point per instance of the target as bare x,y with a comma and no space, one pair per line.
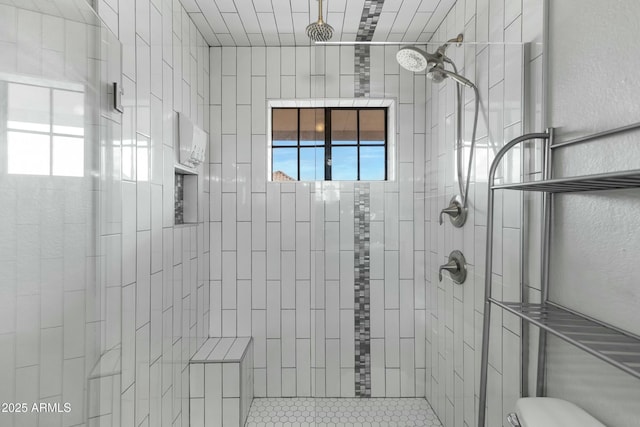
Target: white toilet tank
550,412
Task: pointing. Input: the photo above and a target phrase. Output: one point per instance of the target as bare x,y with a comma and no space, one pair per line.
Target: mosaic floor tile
343,412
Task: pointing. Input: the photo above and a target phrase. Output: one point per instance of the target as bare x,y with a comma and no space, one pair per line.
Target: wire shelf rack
605,181
610,344
603,341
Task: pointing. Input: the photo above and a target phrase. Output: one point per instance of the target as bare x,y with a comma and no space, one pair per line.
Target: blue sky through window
372,163
285,160
312,164
344,162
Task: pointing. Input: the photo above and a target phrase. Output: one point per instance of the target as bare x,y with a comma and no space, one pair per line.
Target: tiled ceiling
73,10
283,22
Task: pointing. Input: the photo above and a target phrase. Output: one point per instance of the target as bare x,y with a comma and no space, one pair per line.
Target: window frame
328,145
51,134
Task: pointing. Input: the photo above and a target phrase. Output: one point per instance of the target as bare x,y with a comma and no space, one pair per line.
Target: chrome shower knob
457,267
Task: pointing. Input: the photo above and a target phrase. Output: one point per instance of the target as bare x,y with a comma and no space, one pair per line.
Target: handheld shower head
437,74
415,59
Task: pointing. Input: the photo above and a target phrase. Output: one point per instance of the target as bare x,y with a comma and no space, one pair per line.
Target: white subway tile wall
130,304
454,312
165,269
221,382
62,236
300,249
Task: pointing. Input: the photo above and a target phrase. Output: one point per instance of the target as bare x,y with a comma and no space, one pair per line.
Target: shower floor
344,412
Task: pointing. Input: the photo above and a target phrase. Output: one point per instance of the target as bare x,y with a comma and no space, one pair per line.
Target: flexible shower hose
462,184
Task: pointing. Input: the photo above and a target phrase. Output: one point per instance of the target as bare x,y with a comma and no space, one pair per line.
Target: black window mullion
358,142
386,138
273,146
327,144
298,146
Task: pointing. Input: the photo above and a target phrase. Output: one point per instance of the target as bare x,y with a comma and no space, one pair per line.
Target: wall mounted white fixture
193,142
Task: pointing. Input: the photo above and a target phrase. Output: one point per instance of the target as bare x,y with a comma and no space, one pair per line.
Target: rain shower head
319,31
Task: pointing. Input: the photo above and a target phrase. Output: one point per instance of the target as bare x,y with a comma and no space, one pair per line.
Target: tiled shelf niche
186,196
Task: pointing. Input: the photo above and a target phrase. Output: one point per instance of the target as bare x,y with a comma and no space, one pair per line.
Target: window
315,144
44,130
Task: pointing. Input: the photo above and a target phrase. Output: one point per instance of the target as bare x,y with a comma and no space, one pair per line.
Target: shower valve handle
456,266
452,211
452,267
456,211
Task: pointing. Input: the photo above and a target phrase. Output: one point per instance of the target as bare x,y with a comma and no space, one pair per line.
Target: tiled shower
114,300
302,319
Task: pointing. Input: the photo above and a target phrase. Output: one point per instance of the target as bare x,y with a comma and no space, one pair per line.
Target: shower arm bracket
457,40
456,211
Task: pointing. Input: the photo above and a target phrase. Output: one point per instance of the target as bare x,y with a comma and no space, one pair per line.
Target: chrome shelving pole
488,270
544,273
609,341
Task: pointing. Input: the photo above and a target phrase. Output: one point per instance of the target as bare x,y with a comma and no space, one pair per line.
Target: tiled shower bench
221,382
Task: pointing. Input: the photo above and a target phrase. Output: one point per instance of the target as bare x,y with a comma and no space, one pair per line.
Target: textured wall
595,250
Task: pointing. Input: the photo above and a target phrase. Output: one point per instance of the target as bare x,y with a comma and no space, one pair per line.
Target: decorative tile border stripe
368,22
179,199
363,71
362,308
